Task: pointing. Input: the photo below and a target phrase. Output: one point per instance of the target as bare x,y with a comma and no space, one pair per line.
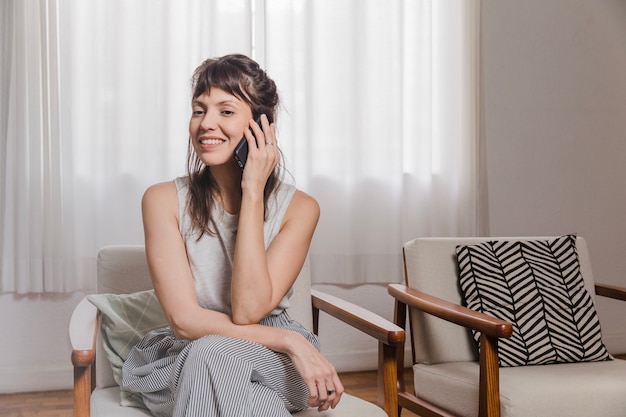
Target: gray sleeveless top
211,257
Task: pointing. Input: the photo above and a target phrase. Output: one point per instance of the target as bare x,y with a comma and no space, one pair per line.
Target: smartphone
241,151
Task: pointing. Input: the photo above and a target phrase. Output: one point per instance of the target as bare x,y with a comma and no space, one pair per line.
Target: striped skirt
216,375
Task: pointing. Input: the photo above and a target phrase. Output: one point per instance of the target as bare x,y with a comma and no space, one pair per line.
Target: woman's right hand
320,376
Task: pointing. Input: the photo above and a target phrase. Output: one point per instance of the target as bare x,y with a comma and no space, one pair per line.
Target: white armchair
123,270
452,378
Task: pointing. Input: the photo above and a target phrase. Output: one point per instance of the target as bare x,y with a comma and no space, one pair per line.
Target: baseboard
35,380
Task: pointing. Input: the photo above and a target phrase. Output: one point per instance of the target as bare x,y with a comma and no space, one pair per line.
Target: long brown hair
242,77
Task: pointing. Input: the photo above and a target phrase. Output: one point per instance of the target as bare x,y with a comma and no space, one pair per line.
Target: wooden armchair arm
491,329
450,311
83,331
390,342
611,291
364,320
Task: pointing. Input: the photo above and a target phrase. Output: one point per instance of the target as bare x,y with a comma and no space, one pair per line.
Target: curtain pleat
379,123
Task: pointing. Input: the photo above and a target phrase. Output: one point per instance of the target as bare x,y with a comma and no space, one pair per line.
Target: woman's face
217,124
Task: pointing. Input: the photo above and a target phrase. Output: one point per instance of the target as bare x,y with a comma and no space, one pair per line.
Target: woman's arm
261,277
167,261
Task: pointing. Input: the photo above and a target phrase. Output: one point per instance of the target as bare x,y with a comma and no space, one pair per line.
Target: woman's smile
207,141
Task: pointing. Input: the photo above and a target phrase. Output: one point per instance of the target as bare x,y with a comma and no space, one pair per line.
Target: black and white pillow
537,286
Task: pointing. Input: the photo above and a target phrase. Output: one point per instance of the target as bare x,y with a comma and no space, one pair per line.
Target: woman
224,247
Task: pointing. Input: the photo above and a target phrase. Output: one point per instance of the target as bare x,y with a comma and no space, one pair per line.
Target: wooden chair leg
399,318
489,401
387,379
82,391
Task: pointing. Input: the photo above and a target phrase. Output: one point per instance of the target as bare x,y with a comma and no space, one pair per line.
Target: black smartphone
241,151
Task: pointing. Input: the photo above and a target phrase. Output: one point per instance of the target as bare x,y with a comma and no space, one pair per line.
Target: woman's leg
148,368
226,377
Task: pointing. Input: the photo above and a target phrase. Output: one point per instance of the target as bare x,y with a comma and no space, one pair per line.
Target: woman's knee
219,352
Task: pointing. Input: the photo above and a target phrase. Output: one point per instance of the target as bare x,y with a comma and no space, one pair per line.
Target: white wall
555,129
34,346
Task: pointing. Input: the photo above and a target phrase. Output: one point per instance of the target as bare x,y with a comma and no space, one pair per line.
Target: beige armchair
123,270
452,378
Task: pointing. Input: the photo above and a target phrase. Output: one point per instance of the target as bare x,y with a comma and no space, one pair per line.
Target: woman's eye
198,112
227,112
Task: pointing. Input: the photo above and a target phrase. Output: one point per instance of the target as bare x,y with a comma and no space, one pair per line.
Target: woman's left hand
320,376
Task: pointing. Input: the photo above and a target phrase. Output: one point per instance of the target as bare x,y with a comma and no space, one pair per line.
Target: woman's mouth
211,141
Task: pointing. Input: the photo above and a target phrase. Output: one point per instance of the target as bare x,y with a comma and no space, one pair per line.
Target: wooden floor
59,403
37,404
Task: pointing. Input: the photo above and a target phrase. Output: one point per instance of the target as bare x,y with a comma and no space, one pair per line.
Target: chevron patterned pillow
537,286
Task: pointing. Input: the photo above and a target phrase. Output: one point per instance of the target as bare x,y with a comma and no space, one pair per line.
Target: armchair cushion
104,404
537,286
562,390
126,318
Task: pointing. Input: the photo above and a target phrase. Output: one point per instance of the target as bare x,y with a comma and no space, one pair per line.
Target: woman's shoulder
161,187
304,197
167,187
160,192
303,203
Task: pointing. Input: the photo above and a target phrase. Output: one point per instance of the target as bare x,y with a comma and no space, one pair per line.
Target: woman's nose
208,122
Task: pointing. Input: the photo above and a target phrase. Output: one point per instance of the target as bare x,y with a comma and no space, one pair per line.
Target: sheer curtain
378,122
95,104
33,215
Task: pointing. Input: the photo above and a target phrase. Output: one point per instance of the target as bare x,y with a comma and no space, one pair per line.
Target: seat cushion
105,402
349,406
562,390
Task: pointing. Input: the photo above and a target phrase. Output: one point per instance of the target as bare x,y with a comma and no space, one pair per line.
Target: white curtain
33,214
379,122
